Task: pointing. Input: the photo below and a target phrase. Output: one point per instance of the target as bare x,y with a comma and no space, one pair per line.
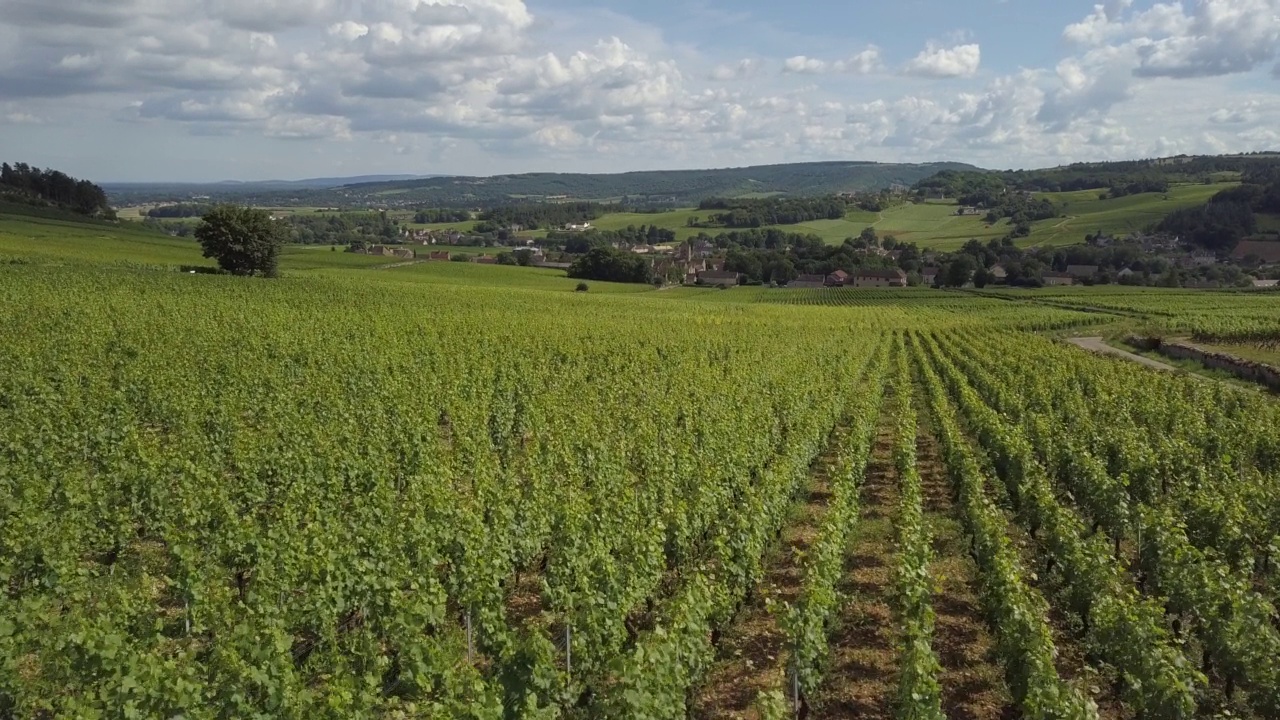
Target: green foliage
754,213
416,492
243,240
23,182
919,695
610,265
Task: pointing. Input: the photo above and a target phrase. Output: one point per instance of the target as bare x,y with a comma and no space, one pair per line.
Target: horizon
429,176
254,91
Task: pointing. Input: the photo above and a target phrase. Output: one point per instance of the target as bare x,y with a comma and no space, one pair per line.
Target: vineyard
364,493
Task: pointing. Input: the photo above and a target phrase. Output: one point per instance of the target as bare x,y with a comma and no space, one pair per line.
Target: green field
433,491
931,224
53,242
1086,214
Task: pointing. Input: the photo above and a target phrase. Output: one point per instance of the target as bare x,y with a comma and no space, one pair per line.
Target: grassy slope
43,241
39,239
1087,214
935,225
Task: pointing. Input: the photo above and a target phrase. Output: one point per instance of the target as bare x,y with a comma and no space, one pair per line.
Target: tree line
180,211
27,183
536,216
441,215
1231,215
760,212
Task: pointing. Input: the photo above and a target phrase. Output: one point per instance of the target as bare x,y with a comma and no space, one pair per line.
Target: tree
983,277
609,265
958,271
244,241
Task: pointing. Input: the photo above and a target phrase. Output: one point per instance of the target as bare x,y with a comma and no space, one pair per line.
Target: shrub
582,287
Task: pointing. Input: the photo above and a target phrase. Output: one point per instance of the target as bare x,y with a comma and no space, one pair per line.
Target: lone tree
244,241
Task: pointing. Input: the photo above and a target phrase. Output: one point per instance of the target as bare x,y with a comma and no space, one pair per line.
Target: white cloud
1244,113
1214,37
486,77
867,61
20,118
863,63
741,70
803,65
936,61
1088,87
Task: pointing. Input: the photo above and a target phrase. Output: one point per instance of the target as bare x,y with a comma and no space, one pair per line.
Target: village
701,263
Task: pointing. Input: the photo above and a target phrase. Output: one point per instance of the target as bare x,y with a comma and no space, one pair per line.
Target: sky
203,90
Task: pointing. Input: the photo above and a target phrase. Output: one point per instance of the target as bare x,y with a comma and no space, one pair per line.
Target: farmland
446,490
936,225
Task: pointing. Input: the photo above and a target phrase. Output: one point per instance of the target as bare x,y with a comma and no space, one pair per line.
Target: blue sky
255,89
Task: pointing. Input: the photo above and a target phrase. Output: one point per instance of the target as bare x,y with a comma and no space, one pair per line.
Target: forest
25,184
760,212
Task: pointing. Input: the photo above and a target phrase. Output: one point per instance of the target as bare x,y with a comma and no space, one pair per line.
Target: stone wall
1258,372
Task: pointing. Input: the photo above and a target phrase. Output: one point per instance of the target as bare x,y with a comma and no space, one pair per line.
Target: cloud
20,118
803,65
741,70
863,63
486,77
1088,88
1245,113
867,61
943,62
272,16
1213,38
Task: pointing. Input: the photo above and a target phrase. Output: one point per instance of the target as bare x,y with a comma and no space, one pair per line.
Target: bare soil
972,685
751,652
862,677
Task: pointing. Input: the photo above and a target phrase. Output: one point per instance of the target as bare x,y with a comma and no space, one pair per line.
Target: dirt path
393,266
1098,345
751,654
972,685
862,677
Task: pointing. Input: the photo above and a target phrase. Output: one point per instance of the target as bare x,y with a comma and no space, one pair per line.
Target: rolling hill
660,186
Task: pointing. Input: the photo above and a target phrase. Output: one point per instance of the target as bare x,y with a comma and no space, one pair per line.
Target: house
1266,251
839,278
1199,259
1082,271
388,251
808,281
1266,283
691,278
578,227
1156,242
442,255
929,275
487,260
704,249
718,277
1126,272
969,210
879,277
1059,278
999,273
